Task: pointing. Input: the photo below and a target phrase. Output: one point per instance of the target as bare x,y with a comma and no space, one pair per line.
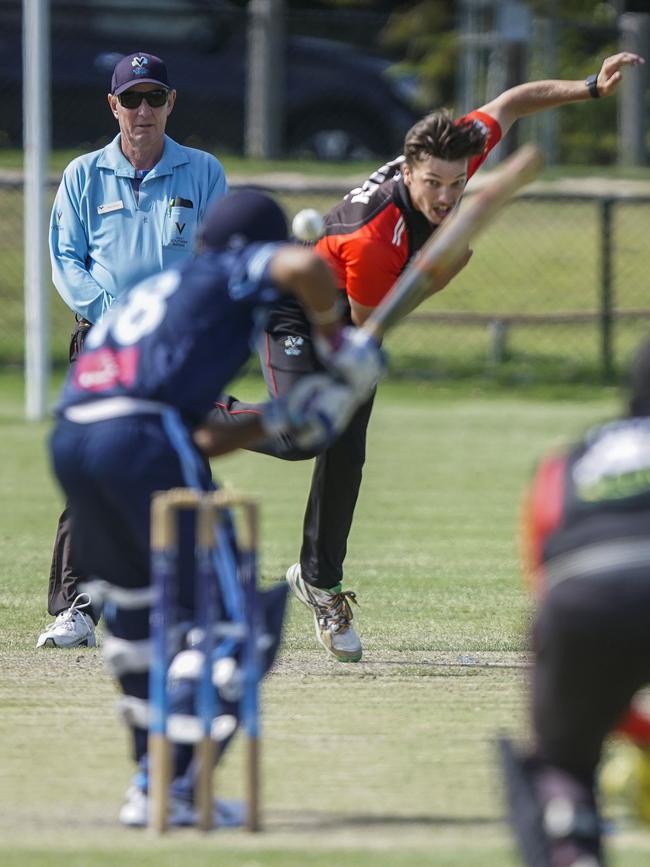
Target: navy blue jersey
178,337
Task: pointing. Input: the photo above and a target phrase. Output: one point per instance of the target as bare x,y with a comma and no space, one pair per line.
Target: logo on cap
139,65
135,68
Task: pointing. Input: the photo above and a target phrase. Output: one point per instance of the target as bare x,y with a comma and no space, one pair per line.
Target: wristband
326,317
592,86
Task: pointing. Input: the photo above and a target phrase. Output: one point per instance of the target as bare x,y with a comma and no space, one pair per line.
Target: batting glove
314,413
355,357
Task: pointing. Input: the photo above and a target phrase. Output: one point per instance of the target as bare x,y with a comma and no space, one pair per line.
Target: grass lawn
386,763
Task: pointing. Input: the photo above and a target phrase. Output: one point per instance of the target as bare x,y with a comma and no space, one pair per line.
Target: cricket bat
449,243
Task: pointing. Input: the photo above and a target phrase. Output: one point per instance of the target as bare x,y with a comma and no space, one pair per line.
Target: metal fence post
606,292
498,331
265,79
36,142
632,114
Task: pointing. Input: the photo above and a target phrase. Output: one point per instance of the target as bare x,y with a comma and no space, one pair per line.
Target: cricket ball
308,225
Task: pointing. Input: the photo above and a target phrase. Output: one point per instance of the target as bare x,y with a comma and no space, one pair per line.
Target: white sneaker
332,616
135,811
72,628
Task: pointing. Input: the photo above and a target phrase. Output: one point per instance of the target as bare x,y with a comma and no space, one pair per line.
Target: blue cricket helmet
243,217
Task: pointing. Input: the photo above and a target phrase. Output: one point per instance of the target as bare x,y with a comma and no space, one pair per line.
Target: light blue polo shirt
104,239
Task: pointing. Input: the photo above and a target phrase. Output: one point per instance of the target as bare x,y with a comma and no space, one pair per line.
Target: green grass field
386,763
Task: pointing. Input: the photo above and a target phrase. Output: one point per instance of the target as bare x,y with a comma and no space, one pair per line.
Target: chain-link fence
557,289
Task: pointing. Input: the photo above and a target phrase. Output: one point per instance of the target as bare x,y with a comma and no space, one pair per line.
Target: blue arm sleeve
69,252
217,186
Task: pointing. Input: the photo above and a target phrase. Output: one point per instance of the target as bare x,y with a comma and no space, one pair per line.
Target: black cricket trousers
287,354
65,578
591,645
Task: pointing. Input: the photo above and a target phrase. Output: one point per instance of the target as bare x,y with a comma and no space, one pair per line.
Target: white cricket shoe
135,811
72,628
332,616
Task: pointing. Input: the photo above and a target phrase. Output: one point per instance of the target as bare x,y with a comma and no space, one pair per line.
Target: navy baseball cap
243,217
138,68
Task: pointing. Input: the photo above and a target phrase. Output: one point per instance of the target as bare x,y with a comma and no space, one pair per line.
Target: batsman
369,240
132,422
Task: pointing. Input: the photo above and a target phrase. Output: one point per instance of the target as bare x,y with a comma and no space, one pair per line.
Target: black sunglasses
133,98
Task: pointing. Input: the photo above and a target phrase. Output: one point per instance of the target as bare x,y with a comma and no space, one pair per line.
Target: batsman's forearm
317,292
304,274
216,439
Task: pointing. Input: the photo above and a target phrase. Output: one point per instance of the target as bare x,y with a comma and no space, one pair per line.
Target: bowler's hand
610,73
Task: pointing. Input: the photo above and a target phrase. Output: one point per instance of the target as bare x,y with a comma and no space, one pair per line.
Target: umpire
589,539
121,214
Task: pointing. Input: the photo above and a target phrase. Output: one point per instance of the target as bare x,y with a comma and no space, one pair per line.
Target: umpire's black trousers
65,578
287,354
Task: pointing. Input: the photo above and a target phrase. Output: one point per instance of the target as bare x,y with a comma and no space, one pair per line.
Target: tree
426,33
582,33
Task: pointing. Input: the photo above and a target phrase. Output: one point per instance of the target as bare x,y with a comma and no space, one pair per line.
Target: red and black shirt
596,493
374,232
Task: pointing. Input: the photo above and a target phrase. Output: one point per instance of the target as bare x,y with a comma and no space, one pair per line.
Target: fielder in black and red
587,534
370,238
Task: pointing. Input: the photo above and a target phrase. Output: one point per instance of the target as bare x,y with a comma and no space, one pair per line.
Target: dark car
339,103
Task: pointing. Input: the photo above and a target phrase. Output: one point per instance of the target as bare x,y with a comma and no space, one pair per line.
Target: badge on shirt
110,206
180,224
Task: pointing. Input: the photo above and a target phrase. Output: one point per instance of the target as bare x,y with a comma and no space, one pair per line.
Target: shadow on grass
308,821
